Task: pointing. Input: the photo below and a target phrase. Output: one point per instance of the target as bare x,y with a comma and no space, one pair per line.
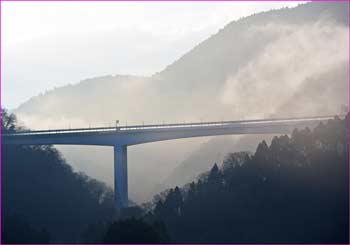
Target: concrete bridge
121,137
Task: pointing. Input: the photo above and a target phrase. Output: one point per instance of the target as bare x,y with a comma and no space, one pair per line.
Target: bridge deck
122,137
168,126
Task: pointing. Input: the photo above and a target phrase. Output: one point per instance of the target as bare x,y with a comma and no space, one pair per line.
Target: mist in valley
288,62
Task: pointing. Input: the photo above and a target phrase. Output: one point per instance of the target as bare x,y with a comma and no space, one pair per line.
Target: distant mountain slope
240,42
280,62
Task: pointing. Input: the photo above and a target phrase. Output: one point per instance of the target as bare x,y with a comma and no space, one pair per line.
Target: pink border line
169,0
0,134
157,1
348,119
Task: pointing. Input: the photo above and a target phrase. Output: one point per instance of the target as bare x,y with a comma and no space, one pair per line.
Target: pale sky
50,44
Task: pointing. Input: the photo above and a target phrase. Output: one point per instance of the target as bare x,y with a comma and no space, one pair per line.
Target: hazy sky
50,44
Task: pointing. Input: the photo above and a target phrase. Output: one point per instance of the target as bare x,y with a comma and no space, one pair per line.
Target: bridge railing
169,125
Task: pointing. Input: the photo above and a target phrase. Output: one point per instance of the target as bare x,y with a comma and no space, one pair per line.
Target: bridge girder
121,139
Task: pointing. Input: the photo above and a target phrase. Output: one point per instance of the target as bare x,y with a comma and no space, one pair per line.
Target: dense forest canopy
295,190
41,190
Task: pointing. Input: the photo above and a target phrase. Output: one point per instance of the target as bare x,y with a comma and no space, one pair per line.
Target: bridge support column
121,176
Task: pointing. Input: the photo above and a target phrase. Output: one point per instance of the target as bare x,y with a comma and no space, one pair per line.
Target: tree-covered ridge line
294,190
41,192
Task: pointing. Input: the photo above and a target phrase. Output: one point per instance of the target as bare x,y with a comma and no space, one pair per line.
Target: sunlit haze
50,44
175,122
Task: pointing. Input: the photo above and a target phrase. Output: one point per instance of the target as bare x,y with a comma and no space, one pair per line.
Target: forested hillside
294,190
43,199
